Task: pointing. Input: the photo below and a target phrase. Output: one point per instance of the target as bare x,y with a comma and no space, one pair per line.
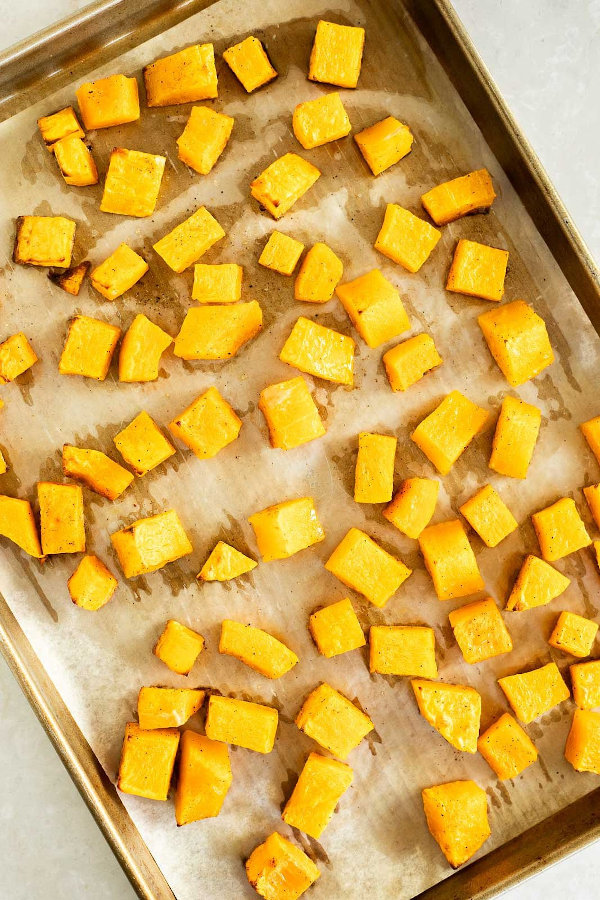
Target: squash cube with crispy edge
367,568
283,182
147,761
406,363
480,631
182,77
150,543
585,678
160,707
454,710
450,560
374,307
447,431
291,413
44,241
333,721
487,513
506,748
250,64
118,273
96,470
374,473
178,647
537,584
217,332
189,240
531,694
582,749
318,276
256,648
204,778
478,271
286,528
592,496
515,437
62,524
406,239
413,506
141,349
320,121
460,197
108,101
142,444
518,340
3,464
335,629
320,351
16,356
336,54
591,432
17,524
207,425
402,650
457,819
384,144
240,722
278,870
560,530
597,552
75,161
58,125
204,138
217,284
225,563
320,786
573,634
91,585
281,253
132,182
70,280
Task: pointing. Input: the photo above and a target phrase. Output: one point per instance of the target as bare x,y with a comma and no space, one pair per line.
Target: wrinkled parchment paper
377,843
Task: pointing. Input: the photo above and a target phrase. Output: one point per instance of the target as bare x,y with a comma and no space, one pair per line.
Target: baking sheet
378,839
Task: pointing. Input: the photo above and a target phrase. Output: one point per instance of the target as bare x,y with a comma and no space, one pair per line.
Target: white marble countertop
544,56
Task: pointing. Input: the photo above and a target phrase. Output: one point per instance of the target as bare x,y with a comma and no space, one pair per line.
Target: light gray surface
544,57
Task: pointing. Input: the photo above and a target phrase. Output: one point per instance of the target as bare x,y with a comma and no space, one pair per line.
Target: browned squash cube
59,125
478,271
132,182
283,182
75,161
250,64
108,101
91,585
70,280
278,870
61,518
89,348
16,356
183,77
44,241
119,272
96,470
460,197
336,54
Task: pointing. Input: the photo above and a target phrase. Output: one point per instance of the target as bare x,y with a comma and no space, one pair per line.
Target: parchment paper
377,843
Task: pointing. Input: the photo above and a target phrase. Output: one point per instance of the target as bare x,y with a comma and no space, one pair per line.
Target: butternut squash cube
147,761
582,749
321,784
454,710
240,722
189,240
374,307
478,271
480,631
281,253
141,349
256,648
278,870
585,678
320,351
560,530
462,196
150,543
402,650
44,241
75,161
286,528
406,363
531,694
336,54
591,432
406,239
96,470
506,748
58,125
17,523
108,101
367,568
250,64
178,647
91,585
518,340
182,77
537,584
384,144
515,437
142,444
119,272
132,182
447,431
457,819
160,707
70,280
217,284
333,721
487,513
318,276
335,629
16,356
217,332
592,495
450,560
573,634
207,425
283,182
204,138
374,474
62,525
413,506
89,348
225,563
291,413
204,778
320,121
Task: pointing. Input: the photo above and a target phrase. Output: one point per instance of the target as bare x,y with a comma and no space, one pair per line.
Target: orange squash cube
478,271
44,241
58,125
142,444
336,54
291,413
585,678
454,710
16,356
147,761
160,707
217,332
321,784
374,307
333,721
447,431
460,197
402,650
560,530
320,121
457,819
189,240
450,560
591,432
108,101
515,437
62,522
207,425
320,351
318,276
518,340
531,694
256,648
413,506
250,64
374,473
217,284
583,743
225,563
286,528
240,722
573,634
480,631
17,524
75,161
283,182
204,138
537,584
119,272
141,349
384,144
89,348
487,513
406,239
182,77
592,496
204,778
132,182
96,470
278,870
91,585
281,253
335,629
150,543
70,280
178,647
406,363
506,748
367,568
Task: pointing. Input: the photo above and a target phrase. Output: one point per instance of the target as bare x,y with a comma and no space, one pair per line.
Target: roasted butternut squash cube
283,182
16,356
460,197
515,437
406,239
225,563
142,444
160,707
402,650
91,585
217,332
278,870
374,473
450,560
321,784
457,819
408,362
478,271
336,54
374,307
44,241
70,280
531,694
58,125
291,413
89,348
141,349
62,522
384,144
75,161
480,631
413,506
96,470
583,743
108,101
17,523
518,340
367,568
592,496
204,778
119,272
454,710
573,634
147,761
182,77
189,240
335,629
537,584
150,543
487,513
250,64
286,528
256,648
320,121
204,138
178,647
320,351
560,530
506,748
281,253
217,284
591,432
318,276
447,431
132,182
333,721
240,722
207,425
585,678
